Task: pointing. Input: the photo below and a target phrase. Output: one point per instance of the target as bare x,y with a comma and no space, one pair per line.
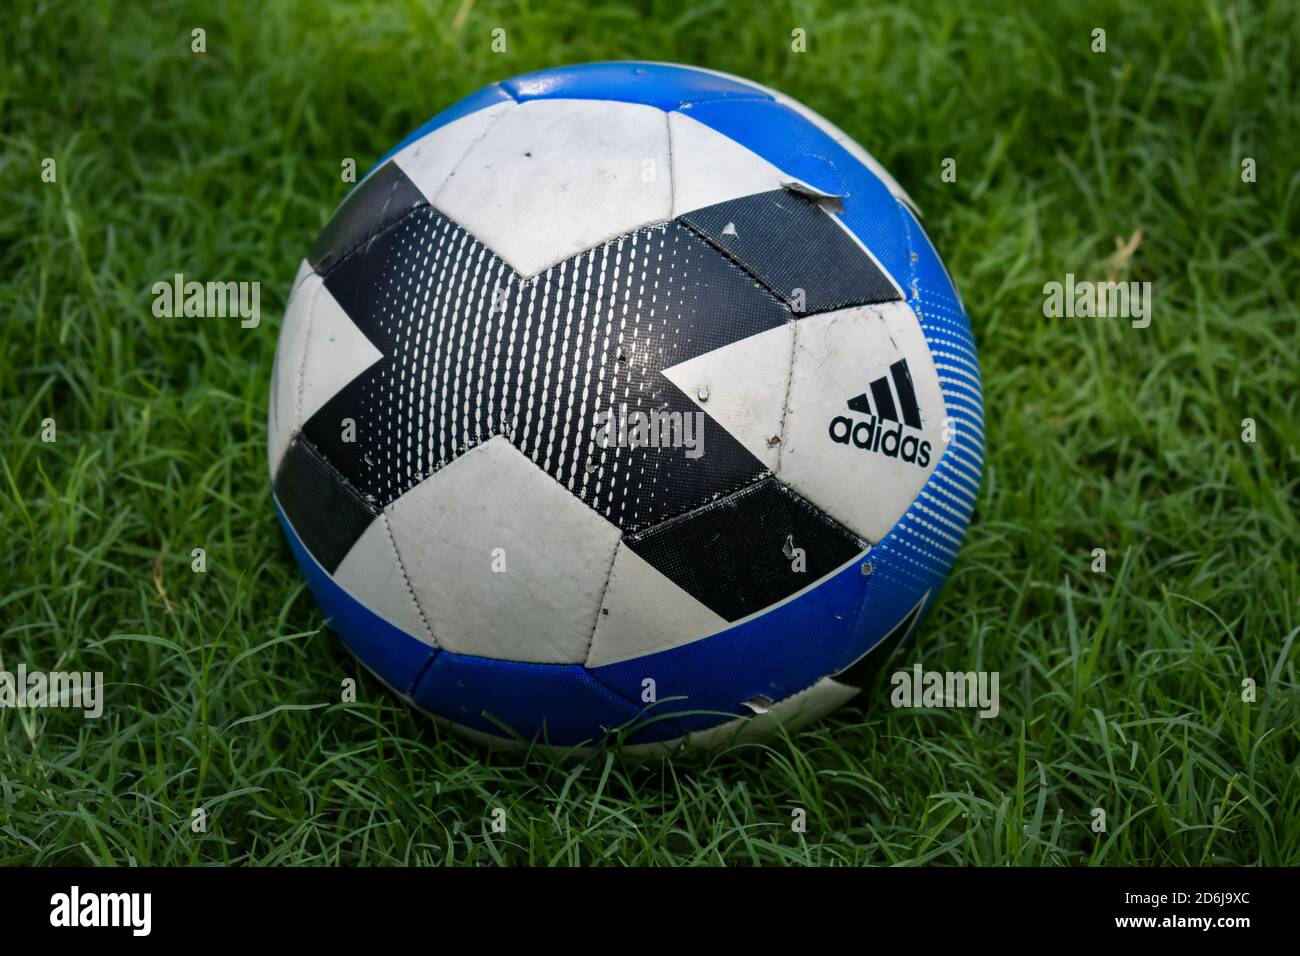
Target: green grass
1120,691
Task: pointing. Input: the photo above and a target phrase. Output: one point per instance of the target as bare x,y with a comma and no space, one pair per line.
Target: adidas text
871,435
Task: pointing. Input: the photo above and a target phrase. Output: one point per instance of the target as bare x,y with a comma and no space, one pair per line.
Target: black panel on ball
789,243
376,203
738,555
326,511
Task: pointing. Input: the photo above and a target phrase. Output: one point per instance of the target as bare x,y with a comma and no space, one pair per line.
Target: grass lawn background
1120,691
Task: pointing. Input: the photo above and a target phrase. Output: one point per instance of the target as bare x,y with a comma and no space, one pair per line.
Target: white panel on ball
319,352
504,561
282,421
554,177
709,168
430,159
839,357
742,387
373,573
643,612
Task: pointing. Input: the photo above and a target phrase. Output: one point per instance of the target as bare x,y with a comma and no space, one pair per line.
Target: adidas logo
885,399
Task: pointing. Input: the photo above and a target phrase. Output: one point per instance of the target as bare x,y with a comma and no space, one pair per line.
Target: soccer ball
625,397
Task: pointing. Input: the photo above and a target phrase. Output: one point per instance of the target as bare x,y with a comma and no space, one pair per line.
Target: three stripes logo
885,399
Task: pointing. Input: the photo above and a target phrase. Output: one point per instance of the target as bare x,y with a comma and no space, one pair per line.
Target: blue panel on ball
947,330
661,85
395,656
558,704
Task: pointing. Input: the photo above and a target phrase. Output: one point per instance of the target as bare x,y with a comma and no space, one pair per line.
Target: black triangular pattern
471,349
593,333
